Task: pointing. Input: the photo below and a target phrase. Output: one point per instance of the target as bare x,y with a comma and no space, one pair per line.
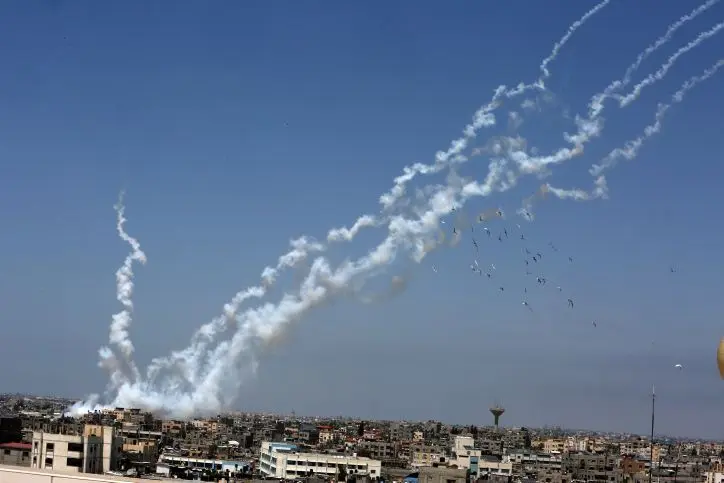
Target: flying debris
505,232
570,303
522,237
526,304
475,244
560,289
502,289
594,324
672,270
434,268
500,238
678,366
570,259
720,357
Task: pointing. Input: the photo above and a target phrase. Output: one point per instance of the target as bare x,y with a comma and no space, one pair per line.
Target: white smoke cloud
202,379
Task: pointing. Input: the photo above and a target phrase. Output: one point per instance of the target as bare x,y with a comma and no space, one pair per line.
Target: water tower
497,411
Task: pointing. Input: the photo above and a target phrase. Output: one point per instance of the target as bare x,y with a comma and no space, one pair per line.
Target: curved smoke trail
197,380
631,148
119,336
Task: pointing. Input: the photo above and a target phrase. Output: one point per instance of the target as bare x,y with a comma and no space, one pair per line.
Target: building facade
15,454
95,450
282,460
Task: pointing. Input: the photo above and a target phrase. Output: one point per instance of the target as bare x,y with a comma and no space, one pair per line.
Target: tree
212,450
341,473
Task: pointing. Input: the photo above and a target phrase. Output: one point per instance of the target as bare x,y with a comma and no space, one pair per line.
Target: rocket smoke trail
631,148
204,380
596,104
119,336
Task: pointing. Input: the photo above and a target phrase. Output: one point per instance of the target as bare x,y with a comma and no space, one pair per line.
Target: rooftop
20,446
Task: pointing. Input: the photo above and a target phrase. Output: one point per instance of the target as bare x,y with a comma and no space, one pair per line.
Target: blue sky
235,126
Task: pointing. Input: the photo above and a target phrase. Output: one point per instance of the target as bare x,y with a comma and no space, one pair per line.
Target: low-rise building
283,460
422,455
15,454
166,462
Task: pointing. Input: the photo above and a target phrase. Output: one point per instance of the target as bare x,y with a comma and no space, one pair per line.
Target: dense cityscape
130,443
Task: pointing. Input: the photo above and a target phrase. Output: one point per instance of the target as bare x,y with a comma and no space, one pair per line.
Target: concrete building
423,455
282,460
94,451
15,454
165,462
589,467
440,475
714,477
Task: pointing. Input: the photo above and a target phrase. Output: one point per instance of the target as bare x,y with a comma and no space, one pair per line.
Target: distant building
15,454
424,455
281,460
166,462
438,475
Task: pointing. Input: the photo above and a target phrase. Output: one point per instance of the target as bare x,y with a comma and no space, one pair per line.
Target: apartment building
423,456
282,460
95,450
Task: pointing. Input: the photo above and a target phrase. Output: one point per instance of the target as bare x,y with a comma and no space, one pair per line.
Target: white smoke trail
631,148
483,118
189,360
219,372
571,30
659,74
596,104
119,336
591,127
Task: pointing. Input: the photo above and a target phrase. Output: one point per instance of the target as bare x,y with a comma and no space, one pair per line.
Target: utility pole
651,451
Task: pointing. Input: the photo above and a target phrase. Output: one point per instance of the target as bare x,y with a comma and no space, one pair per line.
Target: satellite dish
720,358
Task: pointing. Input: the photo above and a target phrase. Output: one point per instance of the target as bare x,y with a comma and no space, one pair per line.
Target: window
26,454
49,446
49,463
78,447
74,462
6,452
